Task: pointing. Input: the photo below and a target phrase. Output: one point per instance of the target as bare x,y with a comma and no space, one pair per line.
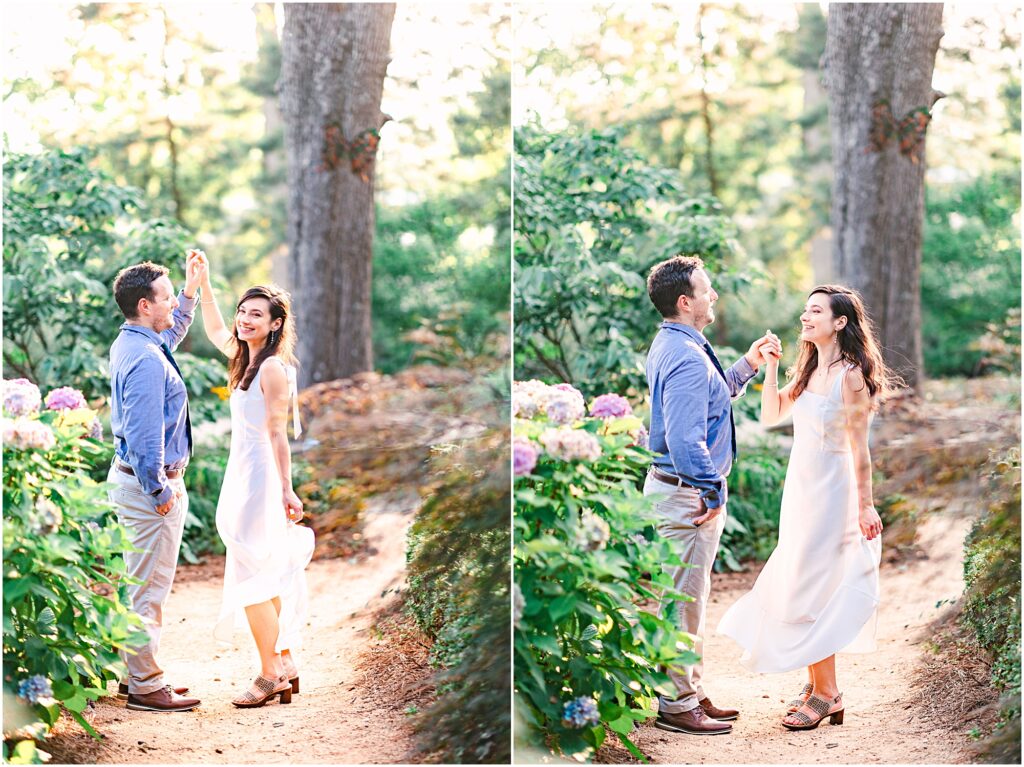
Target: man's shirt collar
149,333
689,330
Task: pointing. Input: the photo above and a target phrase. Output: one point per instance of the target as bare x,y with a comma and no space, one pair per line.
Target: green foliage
755,500
203,481
68,230
589,576
992,597
971,276
592,217
425,274
446,256
458,593
64,620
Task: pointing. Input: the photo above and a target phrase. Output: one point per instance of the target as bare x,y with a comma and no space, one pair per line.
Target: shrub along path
333,720
931,452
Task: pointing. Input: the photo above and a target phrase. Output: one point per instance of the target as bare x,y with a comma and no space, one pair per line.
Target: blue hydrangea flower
35,688
580,712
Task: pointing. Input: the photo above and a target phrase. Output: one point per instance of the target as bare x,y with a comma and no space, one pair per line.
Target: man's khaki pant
158,539
698,546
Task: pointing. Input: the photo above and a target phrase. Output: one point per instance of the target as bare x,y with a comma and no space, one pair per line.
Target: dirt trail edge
880,726
330,721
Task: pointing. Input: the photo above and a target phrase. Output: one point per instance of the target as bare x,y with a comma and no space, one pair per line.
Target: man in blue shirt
692,428
153,442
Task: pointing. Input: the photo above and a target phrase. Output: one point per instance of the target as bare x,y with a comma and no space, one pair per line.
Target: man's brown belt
671,479
171,473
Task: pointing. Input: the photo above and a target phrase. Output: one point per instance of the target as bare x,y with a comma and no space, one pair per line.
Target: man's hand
164,508
759,351
708,514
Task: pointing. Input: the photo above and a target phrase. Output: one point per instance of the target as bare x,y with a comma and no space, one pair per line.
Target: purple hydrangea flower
35,688
564,406
65,398
21,397
96,429
524,456
580,712
610,406
641,438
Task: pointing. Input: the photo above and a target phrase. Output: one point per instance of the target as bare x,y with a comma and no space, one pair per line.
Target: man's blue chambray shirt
691,410
149,402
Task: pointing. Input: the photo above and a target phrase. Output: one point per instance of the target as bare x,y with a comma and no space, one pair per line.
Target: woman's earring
273,337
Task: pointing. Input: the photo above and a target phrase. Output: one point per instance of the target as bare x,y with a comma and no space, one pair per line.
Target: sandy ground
332,720
880,727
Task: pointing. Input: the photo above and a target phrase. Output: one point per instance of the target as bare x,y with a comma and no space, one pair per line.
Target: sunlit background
178,99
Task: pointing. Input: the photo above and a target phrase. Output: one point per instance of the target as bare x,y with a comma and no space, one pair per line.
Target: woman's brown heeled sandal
291,672
269,688
819,706
797,702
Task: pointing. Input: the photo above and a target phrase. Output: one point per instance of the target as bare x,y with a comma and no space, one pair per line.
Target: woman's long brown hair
857,346
241,370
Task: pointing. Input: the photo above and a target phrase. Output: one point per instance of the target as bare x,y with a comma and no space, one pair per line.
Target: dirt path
330,721
879,727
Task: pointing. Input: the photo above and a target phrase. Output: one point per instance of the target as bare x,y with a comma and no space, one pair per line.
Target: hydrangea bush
64,618
588,571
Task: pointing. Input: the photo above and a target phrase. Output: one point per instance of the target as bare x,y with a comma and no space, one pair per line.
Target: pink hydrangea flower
610,406
21,397
65,398
28,434
528,398
570,444
524,456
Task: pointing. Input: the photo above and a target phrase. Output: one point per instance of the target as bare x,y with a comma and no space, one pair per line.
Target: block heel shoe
819,706
268,689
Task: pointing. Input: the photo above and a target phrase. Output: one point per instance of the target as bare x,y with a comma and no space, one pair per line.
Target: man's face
162,306
703,299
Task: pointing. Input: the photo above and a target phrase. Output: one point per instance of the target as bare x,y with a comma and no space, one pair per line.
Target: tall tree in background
334,60
879,60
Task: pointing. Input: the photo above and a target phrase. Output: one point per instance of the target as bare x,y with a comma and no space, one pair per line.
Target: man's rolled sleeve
738,376
142,415
686,399
182,320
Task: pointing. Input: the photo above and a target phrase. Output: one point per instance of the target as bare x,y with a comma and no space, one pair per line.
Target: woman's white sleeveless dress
818,592
266,554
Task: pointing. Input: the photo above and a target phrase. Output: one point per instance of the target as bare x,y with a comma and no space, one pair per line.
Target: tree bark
879,60
334,60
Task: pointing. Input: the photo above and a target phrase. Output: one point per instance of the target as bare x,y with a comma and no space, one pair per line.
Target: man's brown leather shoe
721,714
122,690
164,699
693,722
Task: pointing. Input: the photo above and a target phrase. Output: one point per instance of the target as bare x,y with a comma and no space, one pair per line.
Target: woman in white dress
267,552
818,592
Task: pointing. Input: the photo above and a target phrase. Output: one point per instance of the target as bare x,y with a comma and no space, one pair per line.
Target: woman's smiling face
817,321
253,322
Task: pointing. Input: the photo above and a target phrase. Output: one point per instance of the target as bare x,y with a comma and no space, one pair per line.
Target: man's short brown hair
671,279
133,283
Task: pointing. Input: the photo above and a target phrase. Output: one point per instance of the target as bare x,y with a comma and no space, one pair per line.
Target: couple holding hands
267,552
818,592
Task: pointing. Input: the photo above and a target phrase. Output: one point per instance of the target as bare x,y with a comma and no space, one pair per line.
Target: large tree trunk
879,60
334,60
